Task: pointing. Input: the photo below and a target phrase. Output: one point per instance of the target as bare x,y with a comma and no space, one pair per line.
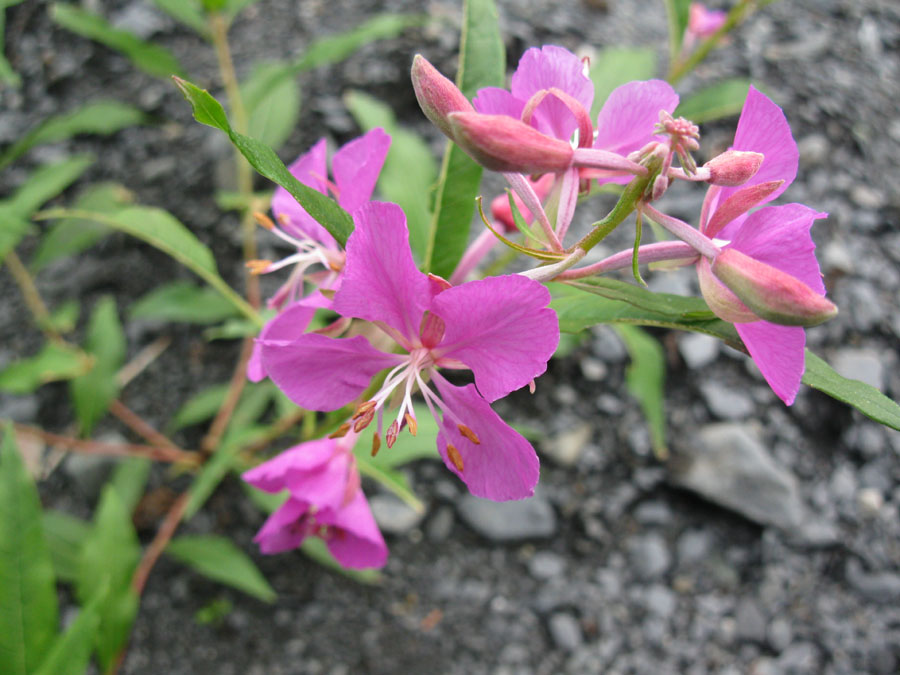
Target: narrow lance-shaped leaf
152,59
716,101
272,97
54,362
482,63
65,535
207,110
614,66
220,560
70,654
183,302
187,12
28,607
678,12
645,379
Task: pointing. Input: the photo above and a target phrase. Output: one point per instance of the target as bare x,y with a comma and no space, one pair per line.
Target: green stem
32,297
623,208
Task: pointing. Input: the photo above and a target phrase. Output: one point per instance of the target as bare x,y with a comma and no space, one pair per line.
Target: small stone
546,565
867,197
814,150
698,350
565,631
393,515
870,501
509,521
660,601
751,624
802,657
440,526
566,448
607,345
882,587
726,402
779,634
649,556
836,258
89,472
864,365
653,513
693,546
593,369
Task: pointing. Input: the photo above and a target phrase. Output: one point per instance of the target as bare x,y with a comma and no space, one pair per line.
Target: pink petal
273,475
381,281
327,485
278,533
311,170
356,167
358,542
496,101
322,373
628,117
503,465
779,236
286,326
764,128
778,352
501,328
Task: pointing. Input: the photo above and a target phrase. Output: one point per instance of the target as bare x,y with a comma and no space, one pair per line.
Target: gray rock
882,587
509,521
750,622
393,515
728,465
565,631
89,472
649,556
860,364
593,369
653,513
441,524
565,448
698,350
693,546
726,402
607,345
802,657
660,601
546,565
779,634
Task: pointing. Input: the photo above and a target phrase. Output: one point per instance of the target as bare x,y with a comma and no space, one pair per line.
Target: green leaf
152,59
336,48
272,97
645,379
108,559
65,536
98,117
74,235
71,652
47,182
14,228
183,302
7,74
65,317
409,171
482,60
254,400
865,398
200,407
161,230
392,479
53,363
714,102
207,110
614,66
129,480
220,560
407,448
678,12
95,390
316,549
28,607
232,329
186,12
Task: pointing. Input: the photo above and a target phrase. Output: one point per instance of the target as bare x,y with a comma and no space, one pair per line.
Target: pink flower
703,22
325,501
500,328
777,236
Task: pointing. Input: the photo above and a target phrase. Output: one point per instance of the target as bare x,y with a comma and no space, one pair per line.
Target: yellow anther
411,423
455,457
468,433
376,444
341,431
258,266
263,220
363,408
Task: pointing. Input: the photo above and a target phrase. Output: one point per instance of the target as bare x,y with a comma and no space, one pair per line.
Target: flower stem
32,297
687,233
626,204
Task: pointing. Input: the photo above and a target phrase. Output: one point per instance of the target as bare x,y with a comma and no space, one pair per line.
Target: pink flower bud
501,143
769,293
723,303
733,167
437,96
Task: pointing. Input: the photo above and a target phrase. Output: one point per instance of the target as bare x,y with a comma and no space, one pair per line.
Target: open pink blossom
325,500
500,328
355,168
778,236
703,22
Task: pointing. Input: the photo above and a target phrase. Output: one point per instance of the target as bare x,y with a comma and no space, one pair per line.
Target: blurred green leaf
54,362
714,102
253,402
183,302
200,407
65,317
336,48
98,117
645,379
109,557
232,329
316,549
410,171
391,479
272,97
865,398
209,111
129,480
220,560
28,606
65,536
45,183
614,66
152,59
678,12
95,390
70,653
7,74
407,448
187,12
74,235
12,228
482,63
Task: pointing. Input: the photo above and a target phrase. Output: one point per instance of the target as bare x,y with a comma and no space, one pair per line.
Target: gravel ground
770,543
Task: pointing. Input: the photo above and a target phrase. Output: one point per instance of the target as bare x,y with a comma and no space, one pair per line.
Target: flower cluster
402,332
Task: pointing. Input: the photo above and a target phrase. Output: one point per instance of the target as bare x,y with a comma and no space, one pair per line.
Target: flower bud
437,96
723,303
769,293
733,167
501,143
501,211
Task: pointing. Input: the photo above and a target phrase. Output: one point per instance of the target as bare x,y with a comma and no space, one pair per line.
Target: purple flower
500,328
777,236
703,22
325,501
